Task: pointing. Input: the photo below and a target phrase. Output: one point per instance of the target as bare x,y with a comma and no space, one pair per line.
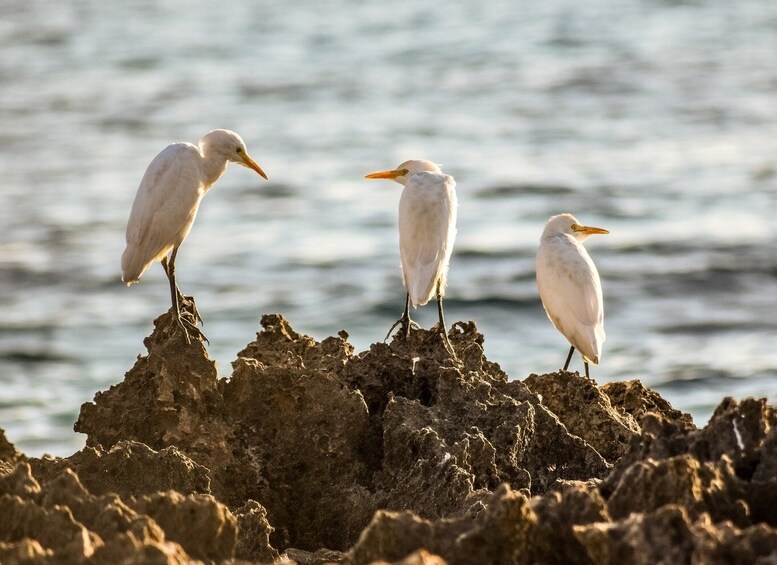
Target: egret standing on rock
427,229
570,288
166,204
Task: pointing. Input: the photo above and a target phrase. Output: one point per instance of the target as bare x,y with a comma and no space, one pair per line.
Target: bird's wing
571,293
164,208
427,229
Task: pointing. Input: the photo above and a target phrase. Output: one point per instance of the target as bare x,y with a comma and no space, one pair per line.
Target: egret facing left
166,204
427,230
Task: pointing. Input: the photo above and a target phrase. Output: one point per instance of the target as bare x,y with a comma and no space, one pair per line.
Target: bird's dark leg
190,306
569,358
441,328
186,325
404,323
587,376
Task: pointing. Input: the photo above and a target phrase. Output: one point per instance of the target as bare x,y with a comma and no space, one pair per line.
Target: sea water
654,119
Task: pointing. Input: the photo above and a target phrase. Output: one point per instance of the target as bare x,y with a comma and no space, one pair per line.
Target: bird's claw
190,308
405,325
190,330
446,342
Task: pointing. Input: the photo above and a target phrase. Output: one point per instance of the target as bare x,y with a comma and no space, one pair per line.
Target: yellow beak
589,230
385,174
251,164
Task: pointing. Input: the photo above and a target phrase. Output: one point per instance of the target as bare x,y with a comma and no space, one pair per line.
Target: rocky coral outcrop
586,411
61,522
129,468
311,453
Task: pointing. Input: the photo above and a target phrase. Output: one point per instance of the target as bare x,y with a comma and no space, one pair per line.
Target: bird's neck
213,166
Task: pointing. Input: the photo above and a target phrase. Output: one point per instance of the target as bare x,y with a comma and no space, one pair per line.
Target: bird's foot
190,330
189,307
405,325
446,342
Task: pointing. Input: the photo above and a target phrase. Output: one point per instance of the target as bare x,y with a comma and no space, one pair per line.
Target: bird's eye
404,172
239,150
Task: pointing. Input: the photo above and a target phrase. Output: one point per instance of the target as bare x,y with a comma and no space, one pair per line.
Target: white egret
427,229
166,204
569,286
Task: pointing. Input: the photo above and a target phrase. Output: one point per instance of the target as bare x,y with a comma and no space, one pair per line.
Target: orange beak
386,174
589,230
251,164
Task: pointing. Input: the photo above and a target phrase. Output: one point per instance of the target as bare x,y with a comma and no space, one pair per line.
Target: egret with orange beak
427,229
569,286
165,207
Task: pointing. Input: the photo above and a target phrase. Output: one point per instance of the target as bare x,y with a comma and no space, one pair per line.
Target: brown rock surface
586,411
634,399
311,453
129,468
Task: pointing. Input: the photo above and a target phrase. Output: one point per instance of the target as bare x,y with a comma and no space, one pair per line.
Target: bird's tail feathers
589,344
592,361
132,266
422,290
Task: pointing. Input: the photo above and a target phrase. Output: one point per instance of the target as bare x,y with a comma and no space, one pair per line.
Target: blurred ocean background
654,119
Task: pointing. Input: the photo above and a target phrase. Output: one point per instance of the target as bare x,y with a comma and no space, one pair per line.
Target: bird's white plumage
427,230
169,196
570,288
164,209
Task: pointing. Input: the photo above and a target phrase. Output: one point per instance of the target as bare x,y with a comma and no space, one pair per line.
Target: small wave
29,356
503,302
480,253
703,328
511,190
691,377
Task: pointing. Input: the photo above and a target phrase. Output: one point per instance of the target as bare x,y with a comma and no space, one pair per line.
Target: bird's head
403,171
231,146
567,224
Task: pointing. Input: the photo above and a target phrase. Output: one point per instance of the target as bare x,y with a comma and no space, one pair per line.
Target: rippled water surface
656,120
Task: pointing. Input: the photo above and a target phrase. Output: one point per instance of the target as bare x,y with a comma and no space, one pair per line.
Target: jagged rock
54,529
664,536
737,430
420,557
725,543
634,399
25,551
697,487
419,473
667,535
392,536
253,534
404,452
169,398
557,513
501,533
202,526
761,490
303,432
8,454
106,516
470,400
129,468
278,345
20,482
61,522
497,532
345,455
586,411
712,470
